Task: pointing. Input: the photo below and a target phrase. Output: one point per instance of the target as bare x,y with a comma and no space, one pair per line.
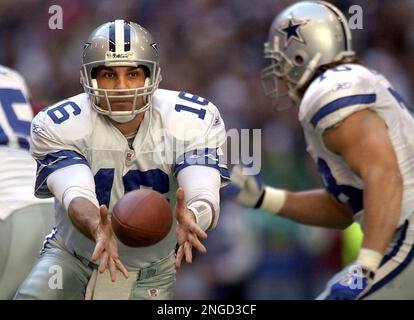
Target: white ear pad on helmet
146,84
95,86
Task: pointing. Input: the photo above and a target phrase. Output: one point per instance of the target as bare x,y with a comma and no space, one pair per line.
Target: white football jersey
17,167
72,132
331,98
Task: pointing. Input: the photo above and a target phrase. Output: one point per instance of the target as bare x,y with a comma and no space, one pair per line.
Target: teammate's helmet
120,43
302,38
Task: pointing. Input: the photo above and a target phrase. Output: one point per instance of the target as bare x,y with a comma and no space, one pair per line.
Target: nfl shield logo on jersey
153,293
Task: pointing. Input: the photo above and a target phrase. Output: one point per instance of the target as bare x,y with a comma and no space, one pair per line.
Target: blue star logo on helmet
292,31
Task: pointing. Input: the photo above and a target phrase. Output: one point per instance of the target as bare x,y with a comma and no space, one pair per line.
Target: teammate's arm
315,207
362,140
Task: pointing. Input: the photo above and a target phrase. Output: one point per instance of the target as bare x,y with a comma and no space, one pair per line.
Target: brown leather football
141,218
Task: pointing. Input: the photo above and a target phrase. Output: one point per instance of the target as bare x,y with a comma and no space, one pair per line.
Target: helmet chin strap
293,93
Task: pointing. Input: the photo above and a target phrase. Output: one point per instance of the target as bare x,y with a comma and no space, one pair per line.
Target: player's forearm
382,204
84,216
202,186
316,207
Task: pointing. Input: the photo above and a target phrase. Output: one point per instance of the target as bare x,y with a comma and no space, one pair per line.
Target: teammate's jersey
17,167
331,98
179,130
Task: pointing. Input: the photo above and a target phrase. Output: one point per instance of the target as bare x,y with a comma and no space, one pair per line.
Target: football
141,218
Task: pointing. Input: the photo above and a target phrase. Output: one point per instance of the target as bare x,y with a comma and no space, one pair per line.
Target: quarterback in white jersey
123,134
19,208
360,134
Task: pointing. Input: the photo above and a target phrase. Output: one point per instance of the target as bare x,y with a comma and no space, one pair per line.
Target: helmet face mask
302,38
120,44
273,80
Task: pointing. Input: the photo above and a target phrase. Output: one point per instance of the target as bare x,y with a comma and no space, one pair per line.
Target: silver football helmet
120,43
302,38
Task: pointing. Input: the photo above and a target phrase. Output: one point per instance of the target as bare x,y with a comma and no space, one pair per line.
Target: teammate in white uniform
123,134
361,136
24,219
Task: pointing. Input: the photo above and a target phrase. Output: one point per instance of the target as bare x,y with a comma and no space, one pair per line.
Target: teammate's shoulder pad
341,84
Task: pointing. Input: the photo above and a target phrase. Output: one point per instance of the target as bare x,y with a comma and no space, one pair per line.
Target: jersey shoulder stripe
52,162
336,94
342,103
210,157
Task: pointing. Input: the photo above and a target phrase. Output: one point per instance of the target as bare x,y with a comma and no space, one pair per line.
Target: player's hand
106,248
188,232
353,285
245,189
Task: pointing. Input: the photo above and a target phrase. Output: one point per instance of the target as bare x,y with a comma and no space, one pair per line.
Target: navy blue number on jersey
200,112
323,76
134,179
60,113
343,193
21,128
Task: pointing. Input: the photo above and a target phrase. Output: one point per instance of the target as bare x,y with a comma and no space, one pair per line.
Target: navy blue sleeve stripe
60,155
401,266
342,103
202,157
196,155
387,257
224,172
53,162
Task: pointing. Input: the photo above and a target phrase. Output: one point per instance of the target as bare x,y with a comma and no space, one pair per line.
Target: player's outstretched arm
198,208
362,140
95,224
315,207
74,187
85,216
188,231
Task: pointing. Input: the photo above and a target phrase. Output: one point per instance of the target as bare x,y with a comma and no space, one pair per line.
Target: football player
24,219
360,134
123,133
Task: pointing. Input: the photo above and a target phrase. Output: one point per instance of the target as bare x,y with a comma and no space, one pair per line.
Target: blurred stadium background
213,48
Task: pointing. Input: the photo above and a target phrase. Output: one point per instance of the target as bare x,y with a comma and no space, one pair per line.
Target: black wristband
260,201
368,273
